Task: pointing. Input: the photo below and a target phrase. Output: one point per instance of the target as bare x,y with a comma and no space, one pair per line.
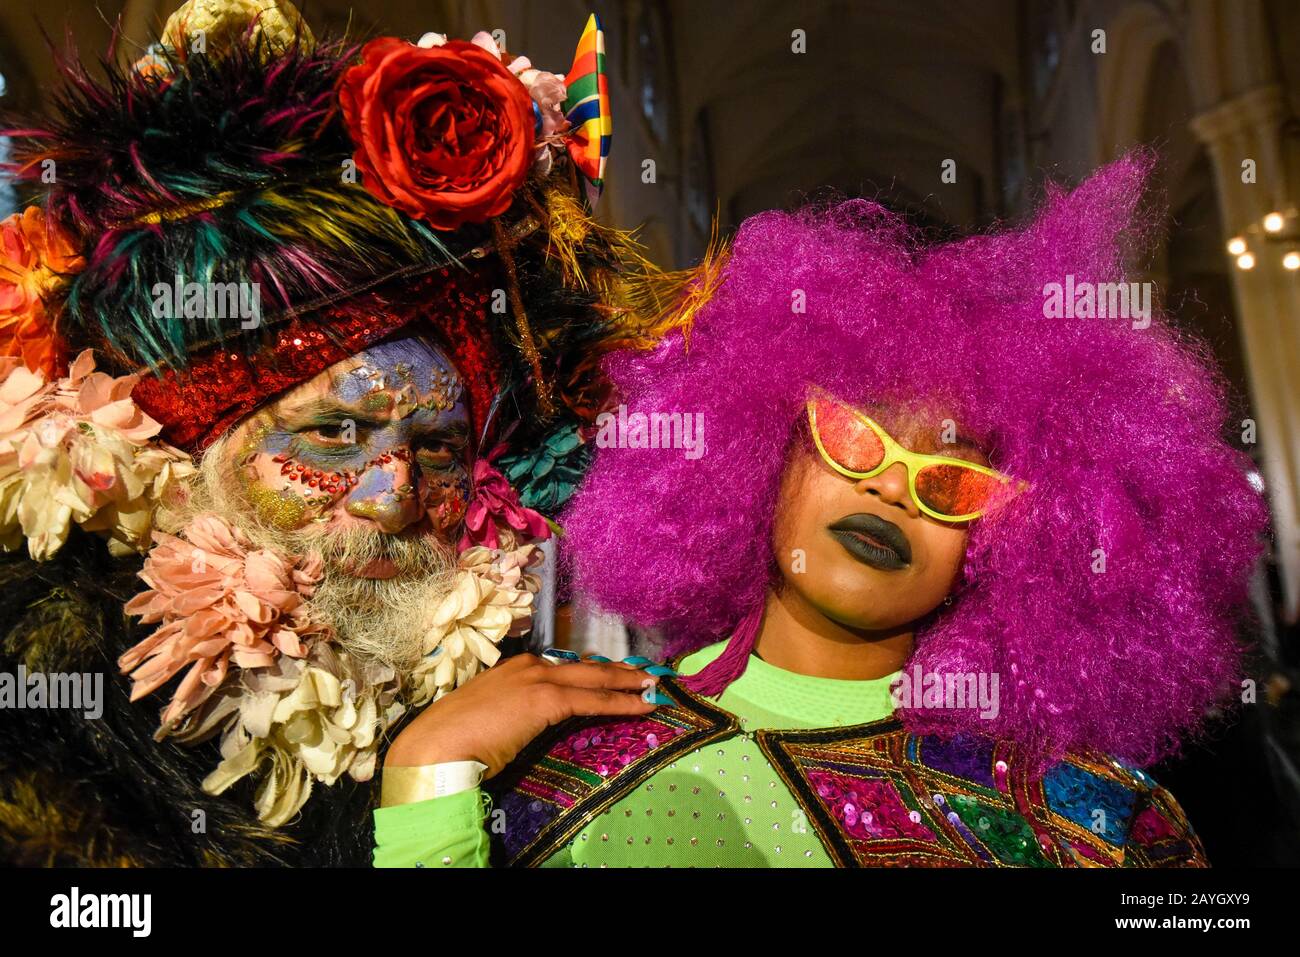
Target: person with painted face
951,570
283,409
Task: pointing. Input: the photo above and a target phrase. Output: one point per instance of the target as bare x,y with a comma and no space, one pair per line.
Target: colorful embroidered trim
876,795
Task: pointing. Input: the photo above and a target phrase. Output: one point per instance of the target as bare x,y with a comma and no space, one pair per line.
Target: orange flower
35,255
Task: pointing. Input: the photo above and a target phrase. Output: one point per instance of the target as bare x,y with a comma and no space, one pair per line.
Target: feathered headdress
239,210
357,190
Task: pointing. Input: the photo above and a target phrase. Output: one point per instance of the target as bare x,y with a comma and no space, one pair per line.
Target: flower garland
78,450
289,702
259,669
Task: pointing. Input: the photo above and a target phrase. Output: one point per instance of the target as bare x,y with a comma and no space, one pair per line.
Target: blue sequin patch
1103,807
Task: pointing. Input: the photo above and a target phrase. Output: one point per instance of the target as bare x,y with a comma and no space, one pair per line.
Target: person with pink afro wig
1114,427
956,552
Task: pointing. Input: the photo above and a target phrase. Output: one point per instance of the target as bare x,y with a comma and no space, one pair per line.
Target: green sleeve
444,831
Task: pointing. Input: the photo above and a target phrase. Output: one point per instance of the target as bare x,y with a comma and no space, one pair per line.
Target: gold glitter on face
279,508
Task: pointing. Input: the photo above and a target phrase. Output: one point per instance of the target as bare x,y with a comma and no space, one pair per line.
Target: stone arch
1137,35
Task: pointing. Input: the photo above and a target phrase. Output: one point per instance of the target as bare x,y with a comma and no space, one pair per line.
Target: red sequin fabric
223,384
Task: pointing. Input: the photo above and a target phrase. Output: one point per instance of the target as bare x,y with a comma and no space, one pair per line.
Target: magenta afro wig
1117,429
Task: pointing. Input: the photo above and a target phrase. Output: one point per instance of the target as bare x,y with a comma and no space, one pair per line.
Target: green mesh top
720,805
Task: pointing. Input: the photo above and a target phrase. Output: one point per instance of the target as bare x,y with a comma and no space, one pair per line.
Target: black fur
85,792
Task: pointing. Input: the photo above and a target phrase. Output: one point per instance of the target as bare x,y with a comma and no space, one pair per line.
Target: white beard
395,644
378,620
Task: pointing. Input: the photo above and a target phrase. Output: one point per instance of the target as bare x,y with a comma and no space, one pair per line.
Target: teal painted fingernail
661,670
637,660
601,658
655,696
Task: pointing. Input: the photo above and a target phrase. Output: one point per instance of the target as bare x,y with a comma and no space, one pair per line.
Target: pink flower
548,93
218,600
78,450
495,501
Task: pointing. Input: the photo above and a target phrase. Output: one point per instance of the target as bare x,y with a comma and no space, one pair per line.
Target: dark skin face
835,583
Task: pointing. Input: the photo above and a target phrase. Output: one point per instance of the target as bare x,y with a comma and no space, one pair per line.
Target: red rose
444,134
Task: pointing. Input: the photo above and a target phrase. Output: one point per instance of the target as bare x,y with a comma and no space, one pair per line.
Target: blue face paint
388,439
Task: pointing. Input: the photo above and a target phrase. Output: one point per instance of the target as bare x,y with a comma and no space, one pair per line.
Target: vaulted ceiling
884,94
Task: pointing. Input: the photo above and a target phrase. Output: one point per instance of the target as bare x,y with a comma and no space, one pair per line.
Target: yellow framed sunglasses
857,446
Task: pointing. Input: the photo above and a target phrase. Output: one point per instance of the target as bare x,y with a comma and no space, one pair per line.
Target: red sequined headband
221,385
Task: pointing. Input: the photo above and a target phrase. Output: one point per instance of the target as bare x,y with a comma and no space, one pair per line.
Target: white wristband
451,777
406,785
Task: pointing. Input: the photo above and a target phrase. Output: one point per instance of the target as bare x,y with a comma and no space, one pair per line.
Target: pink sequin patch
869,810
609,747
1151,826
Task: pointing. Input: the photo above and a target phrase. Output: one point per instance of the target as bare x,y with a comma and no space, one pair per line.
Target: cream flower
79,450
492,599
306,720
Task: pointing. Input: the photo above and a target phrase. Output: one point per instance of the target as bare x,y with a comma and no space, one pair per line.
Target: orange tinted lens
954,489
846,438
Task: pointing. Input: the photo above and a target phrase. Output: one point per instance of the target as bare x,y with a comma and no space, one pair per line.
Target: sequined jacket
874,794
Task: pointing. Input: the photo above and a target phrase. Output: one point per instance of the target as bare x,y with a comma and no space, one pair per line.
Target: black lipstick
873,541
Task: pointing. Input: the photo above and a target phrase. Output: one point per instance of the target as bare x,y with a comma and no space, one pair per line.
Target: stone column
1243,127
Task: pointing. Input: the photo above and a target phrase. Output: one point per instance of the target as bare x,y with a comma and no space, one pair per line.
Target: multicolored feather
229,169
587,109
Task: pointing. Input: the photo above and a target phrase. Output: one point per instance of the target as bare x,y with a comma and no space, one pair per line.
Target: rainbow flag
587,109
